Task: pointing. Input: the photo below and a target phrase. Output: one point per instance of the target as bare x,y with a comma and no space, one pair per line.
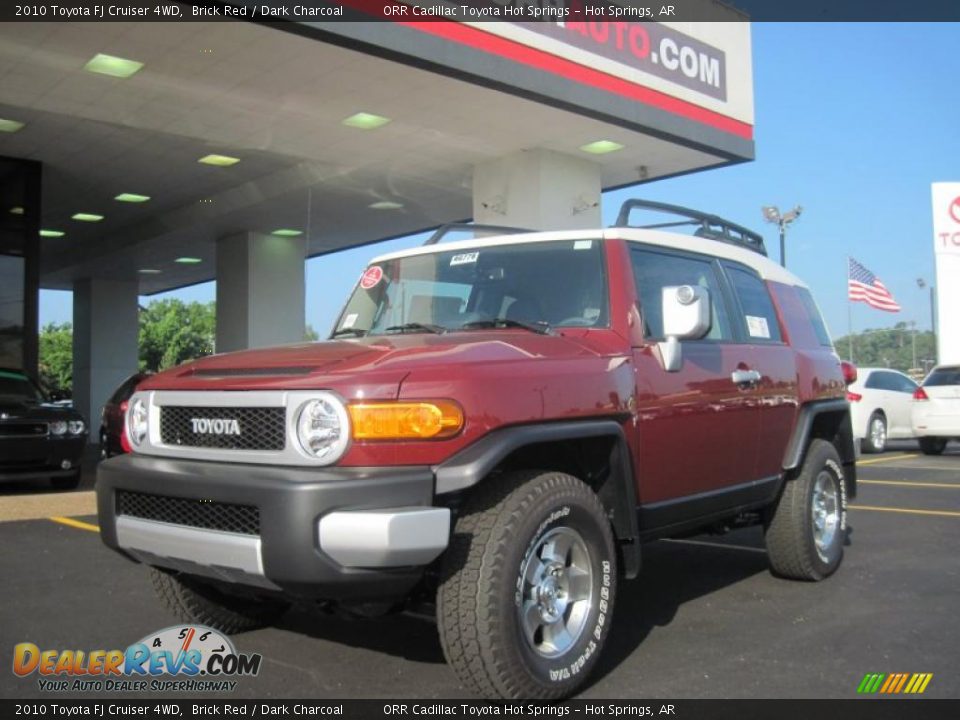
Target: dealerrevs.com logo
182,658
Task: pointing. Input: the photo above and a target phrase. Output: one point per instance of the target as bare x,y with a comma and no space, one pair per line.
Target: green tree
173,332
889,347
56,356
310,335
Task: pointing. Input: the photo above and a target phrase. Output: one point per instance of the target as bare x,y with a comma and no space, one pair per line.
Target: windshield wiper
415,326
541,326
356,332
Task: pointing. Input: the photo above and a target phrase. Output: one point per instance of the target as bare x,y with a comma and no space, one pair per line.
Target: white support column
537,189
260,291
105,336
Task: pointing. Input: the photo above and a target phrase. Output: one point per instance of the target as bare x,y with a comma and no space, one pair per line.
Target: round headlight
137,422
76,427
58,427
323,429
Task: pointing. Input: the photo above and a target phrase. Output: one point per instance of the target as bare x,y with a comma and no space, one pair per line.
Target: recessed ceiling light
385,205
148,271
286,232
16,210
87,217
601,147
132,198
113,66
188,260
219,160
52,233
365,121
10,125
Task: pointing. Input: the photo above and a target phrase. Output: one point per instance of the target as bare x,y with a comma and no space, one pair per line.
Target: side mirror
686,316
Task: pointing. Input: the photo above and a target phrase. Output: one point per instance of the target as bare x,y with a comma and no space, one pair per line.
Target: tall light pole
921,283
772,214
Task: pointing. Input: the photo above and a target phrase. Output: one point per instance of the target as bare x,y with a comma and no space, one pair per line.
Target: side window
904,384
653,271
875,381
816,319
759,315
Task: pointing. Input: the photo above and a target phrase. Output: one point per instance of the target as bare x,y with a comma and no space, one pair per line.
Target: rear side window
816,319
943,376
895,382
759,315
653,271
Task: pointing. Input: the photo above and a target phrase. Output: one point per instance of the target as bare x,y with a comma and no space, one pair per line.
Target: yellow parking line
887,459
907,483
941,513
76,523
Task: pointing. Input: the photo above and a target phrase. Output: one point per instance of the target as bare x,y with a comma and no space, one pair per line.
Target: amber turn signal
425,420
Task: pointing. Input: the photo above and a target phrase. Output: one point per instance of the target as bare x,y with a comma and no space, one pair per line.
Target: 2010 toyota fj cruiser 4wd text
500,422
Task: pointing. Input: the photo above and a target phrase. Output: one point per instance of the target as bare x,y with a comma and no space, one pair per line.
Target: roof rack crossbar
711,226
449,228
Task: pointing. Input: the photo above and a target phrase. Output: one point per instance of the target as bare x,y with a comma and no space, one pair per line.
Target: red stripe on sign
480,40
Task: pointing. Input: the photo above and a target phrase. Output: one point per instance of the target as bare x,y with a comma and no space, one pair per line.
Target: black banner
861,709
551,11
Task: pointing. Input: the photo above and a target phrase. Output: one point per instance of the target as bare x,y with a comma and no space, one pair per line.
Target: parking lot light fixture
218,160
10,126
113,66
131,198
86,217
772,214
601,147
365,121
188,260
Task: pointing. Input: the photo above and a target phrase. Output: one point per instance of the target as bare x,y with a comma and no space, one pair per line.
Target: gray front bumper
332,533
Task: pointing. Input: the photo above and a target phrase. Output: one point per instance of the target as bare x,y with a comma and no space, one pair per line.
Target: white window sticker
582,244
348,321
757,327
464,258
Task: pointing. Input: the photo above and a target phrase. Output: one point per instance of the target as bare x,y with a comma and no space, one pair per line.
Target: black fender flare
803,429
618,494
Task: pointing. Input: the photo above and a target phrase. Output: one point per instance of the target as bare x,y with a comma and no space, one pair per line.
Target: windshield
540,284
16,387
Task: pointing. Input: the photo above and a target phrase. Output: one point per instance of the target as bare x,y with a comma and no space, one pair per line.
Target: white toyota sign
946,247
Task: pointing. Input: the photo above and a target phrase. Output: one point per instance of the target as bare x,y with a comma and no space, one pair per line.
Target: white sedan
881,401
936,409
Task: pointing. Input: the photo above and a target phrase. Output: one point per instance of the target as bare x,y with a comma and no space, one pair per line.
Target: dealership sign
946,218
946,249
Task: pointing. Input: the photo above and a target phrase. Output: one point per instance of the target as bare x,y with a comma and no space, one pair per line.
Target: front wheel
528,587
806,530
933,445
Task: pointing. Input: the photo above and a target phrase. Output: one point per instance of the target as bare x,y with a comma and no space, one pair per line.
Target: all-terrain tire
791,528
507,550
193,601
933,445
875,441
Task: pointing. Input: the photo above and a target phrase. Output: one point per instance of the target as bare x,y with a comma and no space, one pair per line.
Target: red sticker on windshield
371,276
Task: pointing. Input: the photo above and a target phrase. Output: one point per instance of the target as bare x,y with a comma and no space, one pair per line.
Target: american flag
864,286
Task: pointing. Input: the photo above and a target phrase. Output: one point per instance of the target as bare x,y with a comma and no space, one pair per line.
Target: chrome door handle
745,377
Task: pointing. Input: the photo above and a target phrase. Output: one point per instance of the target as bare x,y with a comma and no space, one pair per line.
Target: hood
15,410
379,358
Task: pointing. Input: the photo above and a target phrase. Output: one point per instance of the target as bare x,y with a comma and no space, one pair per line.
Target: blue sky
853,122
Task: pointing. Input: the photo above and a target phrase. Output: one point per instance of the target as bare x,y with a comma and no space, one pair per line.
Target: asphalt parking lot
704,620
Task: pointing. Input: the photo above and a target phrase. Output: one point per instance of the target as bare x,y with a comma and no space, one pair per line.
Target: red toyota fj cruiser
501,422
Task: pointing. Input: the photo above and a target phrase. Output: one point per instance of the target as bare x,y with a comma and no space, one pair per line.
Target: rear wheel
528,587
933,445
805,532
876,438
193,601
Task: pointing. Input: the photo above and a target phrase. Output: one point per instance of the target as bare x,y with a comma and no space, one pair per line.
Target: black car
38,439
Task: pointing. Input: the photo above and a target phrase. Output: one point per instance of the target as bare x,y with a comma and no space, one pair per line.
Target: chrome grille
261,428
205,514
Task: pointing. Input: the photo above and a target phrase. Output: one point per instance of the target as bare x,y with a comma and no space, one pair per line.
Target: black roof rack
477,229
708,226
